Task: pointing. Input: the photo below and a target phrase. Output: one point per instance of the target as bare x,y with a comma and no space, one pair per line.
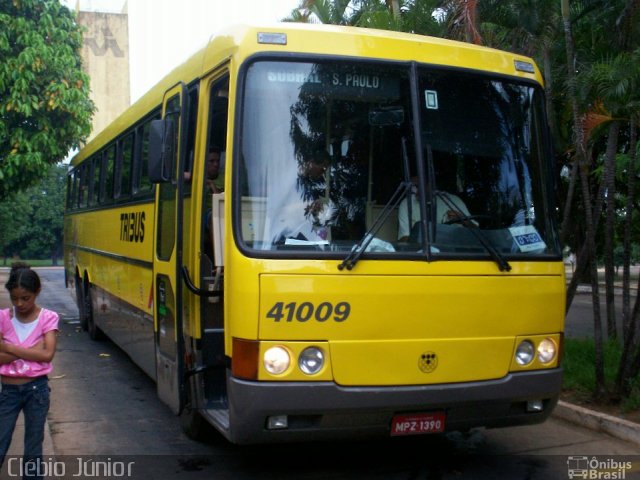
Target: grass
579,372
33,263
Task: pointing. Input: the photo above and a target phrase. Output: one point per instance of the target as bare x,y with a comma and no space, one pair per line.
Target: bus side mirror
161,150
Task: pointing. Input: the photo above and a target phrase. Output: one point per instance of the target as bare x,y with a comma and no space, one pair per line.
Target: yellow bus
309,232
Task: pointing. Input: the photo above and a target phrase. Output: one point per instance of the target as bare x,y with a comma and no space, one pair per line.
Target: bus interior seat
389,230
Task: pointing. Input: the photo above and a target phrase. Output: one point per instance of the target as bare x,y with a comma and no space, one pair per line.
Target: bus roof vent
272,38
526,67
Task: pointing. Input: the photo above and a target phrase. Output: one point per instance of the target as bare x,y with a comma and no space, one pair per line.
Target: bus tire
94,332
194,425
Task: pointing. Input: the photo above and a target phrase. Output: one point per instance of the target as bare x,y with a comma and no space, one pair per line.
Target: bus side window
84,184
123,171
109,164
75,201
96,164
141,182
69,190
91,168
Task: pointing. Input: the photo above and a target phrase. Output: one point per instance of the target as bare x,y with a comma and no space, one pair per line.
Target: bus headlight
276,360
311,360
547,350
525,353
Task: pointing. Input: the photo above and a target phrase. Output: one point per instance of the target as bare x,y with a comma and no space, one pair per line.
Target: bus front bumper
324,410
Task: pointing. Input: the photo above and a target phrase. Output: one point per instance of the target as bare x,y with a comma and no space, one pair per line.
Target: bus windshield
329,156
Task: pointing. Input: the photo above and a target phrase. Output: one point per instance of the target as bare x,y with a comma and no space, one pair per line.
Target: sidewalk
614,426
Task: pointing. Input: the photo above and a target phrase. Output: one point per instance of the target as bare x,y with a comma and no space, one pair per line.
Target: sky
164,33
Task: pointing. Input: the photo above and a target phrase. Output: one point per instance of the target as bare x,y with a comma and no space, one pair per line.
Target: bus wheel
94,332
193,425
81,304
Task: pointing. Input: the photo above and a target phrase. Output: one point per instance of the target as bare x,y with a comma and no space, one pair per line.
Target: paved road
105,409
579,321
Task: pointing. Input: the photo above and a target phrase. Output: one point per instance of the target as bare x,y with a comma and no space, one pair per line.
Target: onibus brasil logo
594,468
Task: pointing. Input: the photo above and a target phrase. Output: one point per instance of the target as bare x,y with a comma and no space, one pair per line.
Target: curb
600,422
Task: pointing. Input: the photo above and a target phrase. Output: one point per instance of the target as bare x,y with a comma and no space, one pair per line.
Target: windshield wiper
467,222
359,248
403,190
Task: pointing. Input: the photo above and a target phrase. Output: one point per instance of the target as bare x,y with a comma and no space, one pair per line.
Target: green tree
413,16
45,109
333,12
32,219
15,214
613,83
44,231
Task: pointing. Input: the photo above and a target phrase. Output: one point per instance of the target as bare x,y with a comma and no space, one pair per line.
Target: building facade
105,55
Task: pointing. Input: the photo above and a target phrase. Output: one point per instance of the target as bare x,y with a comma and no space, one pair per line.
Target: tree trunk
566,215
394,6
581,158
610,220
600,391
631,193
549,90
583,258
626,368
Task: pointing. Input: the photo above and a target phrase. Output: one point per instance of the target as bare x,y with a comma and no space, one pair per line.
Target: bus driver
448,210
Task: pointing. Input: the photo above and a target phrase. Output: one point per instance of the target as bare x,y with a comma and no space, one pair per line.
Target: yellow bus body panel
371,43
470,322
121,240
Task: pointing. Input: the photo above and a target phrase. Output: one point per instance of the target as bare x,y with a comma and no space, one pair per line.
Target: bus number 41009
305,311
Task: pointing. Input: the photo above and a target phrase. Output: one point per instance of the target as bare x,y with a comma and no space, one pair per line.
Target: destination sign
327,80
358,80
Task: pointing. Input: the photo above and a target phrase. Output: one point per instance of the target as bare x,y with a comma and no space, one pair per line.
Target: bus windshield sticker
431,98
298,242
527,238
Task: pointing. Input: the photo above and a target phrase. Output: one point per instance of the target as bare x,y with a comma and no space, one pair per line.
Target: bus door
212,322
166,160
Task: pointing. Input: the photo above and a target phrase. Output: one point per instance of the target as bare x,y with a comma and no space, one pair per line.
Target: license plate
417,423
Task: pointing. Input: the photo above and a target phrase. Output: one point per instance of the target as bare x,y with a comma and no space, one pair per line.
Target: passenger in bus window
449,209
213,184
213,181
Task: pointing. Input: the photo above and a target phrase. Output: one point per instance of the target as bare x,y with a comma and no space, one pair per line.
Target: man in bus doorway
214,185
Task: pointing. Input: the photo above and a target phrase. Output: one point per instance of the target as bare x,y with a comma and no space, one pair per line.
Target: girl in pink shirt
27,346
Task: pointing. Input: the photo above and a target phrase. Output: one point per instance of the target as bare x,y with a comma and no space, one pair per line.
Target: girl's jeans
33,399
